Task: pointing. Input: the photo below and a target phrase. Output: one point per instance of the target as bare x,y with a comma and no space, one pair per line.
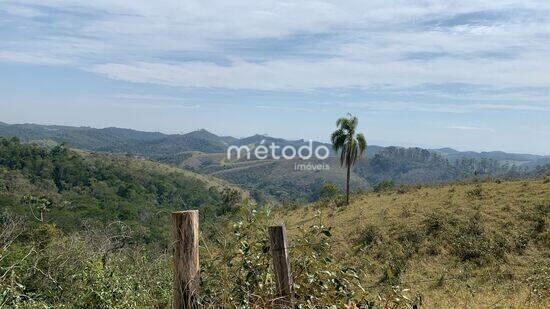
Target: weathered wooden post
281,266
185,236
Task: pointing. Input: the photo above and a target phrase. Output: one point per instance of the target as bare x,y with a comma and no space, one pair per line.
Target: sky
472,75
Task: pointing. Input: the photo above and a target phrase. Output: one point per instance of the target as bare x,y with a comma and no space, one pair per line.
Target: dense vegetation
84,230
116,140
471,245
204,152
417,165
279,180
74,190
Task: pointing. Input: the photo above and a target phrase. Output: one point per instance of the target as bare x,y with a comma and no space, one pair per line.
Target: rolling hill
154,144
76,189
459,246
204,152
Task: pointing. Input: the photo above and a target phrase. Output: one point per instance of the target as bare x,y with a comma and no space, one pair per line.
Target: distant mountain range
155,144
150,144
512,158
204,152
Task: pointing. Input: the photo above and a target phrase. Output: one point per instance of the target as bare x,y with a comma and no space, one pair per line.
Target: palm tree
350,144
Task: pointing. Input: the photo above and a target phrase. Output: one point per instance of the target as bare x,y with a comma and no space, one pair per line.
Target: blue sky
473,75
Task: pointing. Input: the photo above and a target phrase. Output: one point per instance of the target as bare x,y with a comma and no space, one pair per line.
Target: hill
116,140
499,156
454,246
204,152
283,181
459,245
153,144
75,189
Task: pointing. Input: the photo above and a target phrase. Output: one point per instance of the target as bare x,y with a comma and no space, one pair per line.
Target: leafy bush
472,243
67,271
475,193
246,273
384,185
436,222
368,236
236,269
329,191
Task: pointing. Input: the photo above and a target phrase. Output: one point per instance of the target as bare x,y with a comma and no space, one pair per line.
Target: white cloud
332,73
147,97
449,108
515,107
289,108
266,45
21,57
470,128
22,11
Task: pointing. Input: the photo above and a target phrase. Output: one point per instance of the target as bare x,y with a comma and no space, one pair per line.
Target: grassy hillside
456,246
460,245
280,180
75,189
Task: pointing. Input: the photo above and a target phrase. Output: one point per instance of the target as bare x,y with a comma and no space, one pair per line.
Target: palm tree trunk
347,184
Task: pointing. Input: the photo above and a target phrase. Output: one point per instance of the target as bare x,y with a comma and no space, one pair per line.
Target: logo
287,152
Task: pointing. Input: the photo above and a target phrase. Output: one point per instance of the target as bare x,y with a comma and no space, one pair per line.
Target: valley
277,180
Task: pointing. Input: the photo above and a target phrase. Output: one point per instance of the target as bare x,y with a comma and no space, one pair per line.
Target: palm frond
353,123
353,154
362,142
338,139
345,140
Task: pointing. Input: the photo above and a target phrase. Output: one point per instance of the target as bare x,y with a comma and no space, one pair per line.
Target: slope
459,245
74,189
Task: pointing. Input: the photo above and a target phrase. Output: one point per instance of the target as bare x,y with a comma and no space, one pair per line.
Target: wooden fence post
185,236
281,265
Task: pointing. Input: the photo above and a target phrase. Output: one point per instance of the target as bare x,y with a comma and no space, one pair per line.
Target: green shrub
410,239
368,236
340,201
329,191
472,243
384,185
435,223
475,193
470,248
393,270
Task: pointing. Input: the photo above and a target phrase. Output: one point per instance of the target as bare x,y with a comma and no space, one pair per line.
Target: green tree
351,144
329,191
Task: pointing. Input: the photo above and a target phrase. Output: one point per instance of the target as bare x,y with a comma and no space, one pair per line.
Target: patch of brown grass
459,245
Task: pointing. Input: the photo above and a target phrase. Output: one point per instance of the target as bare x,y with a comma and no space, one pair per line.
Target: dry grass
461,245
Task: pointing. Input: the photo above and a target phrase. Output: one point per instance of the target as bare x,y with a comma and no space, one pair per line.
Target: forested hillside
279,180
74,190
